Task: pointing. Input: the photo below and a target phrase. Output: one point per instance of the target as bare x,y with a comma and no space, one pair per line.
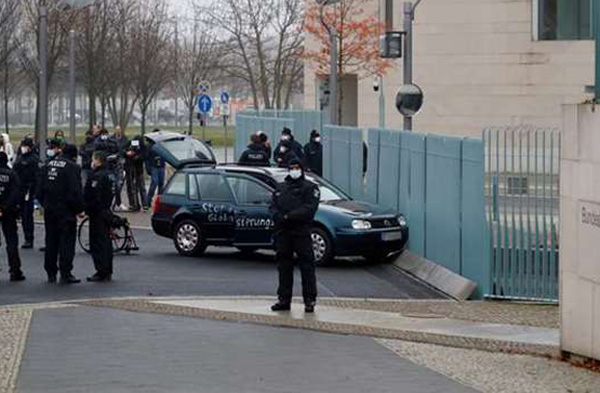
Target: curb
488,345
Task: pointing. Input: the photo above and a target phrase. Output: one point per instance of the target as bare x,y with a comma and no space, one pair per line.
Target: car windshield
188,149
329,192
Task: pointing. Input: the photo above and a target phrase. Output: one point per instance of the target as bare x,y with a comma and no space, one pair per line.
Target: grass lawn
216,134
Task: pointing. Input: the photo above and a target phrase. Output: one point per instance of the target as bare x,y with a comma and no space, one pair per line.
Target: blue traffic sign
224,97
204,103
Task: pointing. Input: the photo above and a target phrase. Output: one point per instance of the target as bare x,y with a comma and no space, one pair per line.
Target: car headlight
361,224
402,221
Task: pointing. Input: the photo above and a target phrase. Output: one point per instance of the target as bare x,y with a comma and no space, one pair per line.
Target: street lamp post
72,120
409,16
43,86
333,71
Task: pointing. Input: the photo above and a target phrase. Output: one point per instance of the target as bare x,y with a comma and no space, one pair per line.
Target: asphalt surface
157,270
74,350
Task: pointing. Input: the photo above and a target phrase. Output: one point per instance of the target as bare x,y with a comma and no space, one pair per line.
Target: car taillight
156,204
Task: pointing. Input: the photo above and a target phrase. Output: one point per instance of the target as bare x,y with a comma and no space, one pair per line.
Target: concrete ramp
437,276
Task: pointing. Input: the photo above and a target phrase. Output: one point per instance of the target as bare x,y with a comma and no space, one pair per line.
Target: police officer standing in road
27,168
255,154
98,195
61,196
313,154
9,199
294,205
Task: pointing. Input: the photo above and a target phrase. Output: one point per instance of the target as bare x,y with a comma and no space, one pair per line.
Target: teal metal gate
522,207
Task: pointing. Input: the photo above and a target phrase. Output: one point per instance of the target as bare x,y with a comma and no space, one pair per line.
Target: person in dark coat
286,135
264,140
135,155
27,168
86,151
122,142
255,154
285,154
98,196
293,208
10,190
61,196
313,154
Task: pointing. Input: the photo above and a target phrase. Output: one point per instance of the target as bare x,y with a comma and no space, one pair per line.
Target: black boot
17,277
70,279
309,307
100,278
27,245
52,278
280,306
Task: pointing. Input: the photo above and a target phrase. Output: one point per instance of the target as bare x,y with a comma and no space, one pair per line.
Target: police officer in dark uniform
10,190
255,154
98,195
27,168
296,147
313,154
285,154
294,205
61,196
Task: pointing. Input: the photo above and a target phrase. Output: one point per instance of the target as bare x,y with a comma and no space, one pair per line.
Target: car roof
234,168
162,136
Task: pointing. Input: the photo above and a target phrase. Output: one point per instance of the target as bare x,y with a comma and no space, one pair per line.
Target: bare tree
198,56
263,39
58,27
151,50
9,44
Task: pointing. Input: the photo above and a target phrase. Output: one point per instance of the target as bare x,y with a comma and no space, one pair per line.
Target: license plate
391,236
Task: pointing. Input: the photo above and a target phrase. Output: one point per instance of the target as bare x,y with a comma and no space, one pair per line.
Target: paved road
157,270
75,351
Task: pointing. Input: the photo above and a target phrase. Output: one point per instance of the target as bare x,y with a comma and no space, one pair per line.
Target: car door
173,197
213,206
253,222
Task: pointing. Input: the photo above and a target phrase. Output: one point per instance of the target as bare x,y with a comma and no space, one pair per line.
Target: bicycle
120,233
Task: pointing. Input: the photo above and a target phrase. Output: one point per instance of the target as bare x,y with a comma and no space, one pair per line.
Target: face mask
318,139
104,137
285,138
94,165
50,153
296,173
24,150
283,149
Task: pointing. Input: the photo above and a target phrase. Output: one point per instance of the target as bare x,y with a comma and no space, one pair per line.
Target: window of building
565,19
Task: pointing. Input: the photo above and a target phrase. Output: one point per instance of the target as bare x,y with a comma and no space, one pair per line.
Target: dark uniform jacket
27,168
294,145
138,155
86,151
60,188
255,155
294,204
313,157
10,190
98,193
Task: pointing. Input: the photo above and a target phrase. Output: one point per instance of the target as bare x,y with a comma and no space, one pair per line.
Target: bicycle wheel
83,235
119,237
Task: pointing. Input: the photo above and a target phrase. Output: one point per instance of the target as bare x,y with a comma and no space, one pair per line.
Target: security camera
376,84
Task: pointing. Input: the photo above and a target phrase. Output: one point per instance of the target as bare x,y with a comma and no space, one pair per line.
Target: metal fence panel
372,175
522,193
443,201
343,150
417,199
475,259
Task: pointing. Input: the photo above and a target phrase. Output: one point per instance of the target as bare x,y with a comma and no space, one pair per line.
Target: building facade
482,63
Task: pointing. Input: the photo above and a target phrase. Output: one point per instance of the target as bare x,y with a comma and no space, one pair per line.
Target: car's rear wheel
322,246
188,238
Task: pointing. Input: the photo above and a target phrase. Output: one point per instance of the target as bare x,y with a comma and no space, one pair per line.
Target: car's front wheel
188,239
322,246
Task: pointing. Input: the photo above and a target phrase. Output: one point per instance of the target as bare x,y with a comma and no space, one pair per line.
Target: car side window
213,188
177,185
249,192
193,188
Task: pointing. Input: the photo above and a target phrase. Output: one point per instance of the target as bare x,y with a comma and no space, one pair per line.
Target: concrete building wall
479,65
580,232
